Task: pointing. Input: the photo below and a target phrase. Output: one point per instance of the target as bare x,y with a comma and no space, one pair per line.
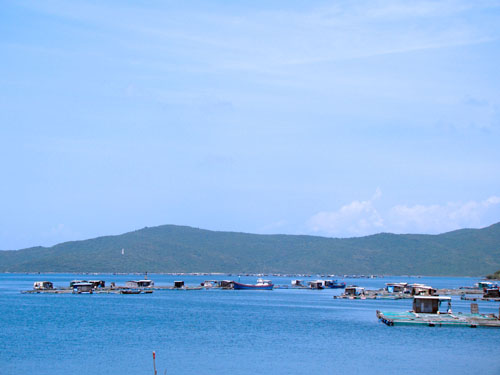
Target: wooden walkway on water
438,320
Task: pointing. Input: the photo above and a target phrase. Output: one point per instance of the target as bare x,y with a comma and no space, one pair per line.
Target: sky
330,118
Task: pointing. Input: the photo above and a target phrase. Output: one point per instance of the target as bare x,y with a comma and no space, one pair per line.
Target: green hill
171,248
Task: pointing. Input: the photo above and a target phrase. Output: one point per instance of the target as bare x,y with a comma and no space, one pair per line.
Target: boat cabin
430,304
76,282
264,282
318,284
297,283
98,283
43,285
178,284
395,287
140,284
83,287
354,291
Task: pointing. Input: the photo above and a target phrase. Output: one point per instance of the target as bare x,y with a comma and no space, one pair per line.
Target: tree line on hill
170,248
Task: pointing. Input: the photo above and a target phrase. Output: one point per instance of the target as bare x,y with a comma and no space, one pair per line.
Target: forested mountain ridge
171,248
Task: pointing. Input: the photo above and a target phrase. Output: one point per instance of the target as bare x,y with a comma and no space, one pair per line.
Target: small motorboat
334,284
261,285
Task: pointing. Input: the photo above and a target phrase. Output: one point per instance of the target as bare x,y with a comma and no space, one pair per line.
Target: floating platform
182,288
368,296
343,296
438,320
48,291
478,298
115,290
95,291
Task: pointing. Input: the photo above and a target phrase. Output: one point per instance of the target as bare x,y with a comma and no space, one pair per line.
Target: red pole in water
154,361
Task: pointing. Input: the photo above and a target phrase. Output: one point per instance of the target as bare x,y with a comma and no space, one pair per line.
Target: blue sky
327,118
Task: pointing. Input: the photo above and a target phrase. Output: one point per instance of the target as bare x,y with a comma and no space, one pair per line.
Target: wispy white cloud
438,218
363,217
355,218
265,40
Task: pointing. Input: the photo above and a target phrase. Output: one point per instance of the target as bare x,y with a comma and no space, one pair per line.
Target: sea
230,332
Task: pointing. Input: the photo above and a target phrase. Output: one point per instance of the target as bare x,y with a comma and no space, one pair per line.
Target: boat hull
254,287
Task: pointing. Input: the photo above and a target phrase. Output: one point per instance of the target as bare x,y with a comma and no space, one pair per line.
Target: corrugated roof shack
73,282
421,290
395,287
491,293
140,284
354,291
225,284
83,288
430,304
43,285
318,284
97,283
178,284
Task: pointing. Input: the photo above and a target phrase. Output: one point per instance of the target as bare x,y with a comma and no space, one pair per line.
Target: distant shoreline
237,274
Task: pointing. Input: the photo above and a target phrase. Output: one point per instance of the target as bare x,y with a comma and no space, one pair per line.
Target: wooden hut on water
430,304
491,293
225,284
421,290
178,284
43,285
318,284
73,282
396,287
140,284
353,290
97,283
85,287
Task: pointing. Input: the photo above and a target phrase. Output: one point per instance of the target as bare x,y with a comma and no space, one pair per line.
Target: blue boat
261,285
334,284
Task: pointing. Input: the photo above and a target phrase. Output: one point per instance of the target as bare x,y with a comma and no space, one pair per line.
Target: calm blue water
229,332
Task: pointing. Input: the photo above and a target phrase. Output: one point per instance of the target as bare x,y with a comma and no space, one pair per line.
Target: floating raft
374,296
47,291
94,291
479,298
115,290
438,320
178,288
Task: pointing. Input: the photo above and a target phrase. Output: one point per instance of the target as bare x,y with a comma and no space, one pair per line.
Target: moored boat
334,284
261,285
